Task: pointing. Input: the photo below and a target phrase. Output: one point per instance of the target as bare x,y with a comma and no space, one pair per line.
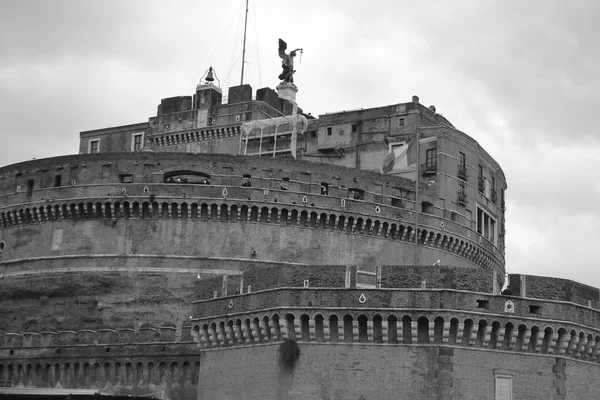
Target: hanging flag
400,157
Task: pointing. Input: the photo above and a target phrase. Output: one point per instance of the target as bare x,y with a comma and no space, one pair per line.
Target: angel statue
287,63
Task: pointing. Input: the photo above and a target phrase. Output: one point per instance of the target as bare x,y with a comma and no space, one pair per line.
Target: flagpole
417,201
244,49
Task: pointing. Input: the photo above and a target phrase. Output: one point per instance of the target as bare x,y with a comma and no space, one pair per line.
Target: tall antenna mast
244,50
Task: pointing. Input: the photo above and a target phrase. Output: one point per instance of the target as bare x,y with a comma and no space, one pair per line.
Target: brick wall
410,372
543,287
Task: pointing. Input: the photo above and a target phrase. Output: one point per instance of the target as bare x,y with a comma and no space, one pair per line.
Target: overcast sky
520,77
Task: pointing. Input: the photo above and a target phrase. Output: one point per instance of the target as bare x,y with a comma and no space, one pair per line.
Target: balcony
462,172
480,185
429,168
462,198
494,196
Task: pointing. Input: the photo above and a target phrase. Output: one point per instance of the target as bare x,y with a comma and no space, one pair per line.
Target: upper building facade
462,196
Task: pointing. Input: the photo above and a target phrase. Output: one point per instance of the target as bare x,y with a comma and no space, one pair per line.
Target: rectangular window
29,187
480,171
57,180
401,123
430,157
329,130
353,128
137,142
313,134
94,146
463,160
366,279
504,389
486,225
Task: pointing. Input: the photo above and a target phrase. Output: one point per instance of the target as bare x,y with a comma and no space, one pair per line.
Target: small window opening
313,134
324,188
126,178
401,123
396,202
427,208
353,128
2,246
356,194
329,131
29,187
535,309
483,304
246,182
57,180
285,184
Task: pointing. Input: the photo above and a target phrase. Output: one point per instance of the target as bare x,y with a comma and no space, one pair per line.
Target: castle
237,247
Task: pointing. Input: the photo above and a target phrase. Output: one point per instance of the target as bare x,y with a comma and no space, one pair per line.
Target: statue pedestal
287,91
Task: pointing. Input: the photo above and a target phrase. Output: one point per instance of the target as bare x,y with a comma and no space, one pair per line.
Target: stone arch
254,214
453,333
331,222
368,226
533,339
204,211
313,219
244,212
264,214
291,324
508,336
481,333
319,328
392,322
438,330
393,231
126,209
496,327
377,329
350,224
547,341
348,328
334,328
304,218
522,331
407,329
294,217
304,327
224,212
234,212
322,221
362,328
214,211
359,225
285,216
422,330
468,329
274,214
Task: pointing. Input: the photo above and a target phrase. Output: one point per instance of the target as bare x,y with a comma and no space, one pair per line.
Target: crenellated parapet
409,317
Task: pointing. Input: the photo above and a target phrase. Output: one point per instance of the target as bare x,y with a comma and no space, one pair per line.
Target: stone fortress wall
444,339
57,208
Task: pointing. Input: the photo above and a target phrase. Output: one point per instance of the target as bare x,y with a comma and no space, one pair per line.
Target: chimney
415,99
432,108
